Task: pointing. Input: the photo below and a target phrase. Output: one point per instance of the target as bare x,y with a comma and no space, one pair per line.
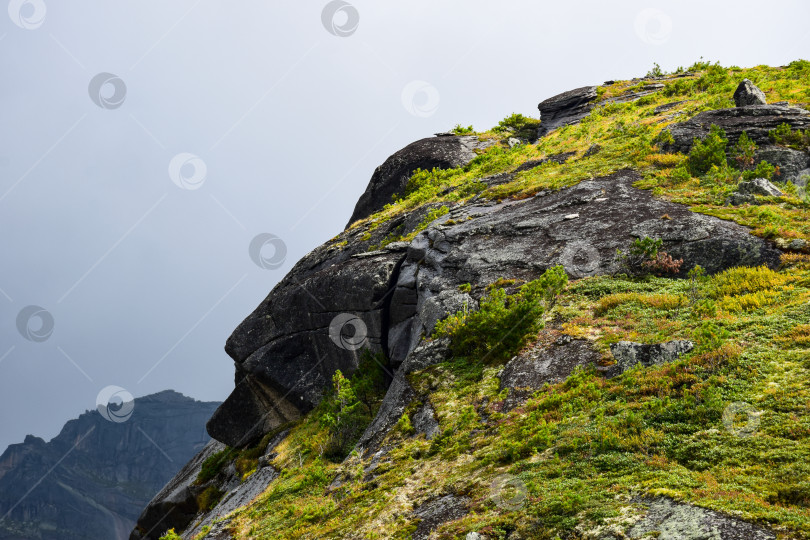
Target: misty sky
146,272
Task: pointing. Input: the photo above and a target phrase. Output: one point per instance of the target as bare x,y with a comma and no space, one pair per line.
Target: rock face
106,471
669,520
283,352
434,513
362,291
746,192
392,176
520,240
566,108
629,354
543,364
794,165
747,94
176,505
760,186
755,120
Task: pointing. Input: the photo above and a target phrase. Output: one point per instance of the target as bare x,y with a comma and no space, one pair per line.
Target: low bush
708,152
209,498
461,130
644,257
519,125
785,136
350,404
744,280
503,323
212,466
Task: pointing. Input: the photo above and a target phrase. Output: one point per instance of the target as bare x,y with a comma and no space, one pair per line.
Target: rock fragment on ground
748,93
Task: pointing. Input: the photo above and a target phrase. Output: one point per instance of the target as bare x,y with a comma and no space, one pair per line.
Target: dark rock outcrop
566,108
392,176
747,191
434,513
755,120
748,93
283,352
424,421
556,158
362,290
629,354
400,394
520,240
93,479
794,165
543,364
668,106
636,94
759,186
176,506
666,519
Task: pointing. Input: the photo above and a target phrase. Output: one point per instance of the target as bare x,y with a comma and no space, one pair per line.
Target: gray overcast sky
289,121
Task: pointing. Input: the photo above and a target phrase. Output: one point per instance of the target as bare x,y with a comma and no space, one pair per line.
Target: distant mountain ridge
92,480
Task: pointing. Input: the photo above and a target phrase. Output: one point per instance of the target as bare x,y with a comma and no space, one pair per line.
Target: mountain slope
597,327
91,480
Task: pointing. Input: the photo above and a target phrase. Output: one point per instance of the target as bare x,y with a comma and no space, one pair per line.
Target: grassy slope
584,447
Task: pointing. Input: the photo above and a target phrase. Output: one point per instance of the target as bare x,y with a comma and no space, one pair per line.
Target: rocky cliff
91,480
537,331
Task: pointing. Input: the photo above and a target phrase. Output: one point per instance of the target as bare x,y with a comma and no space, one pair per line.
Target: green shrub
209,498
697,283
744,280
700,65
681,174
461,130
504,323
762,170
744,151
212,466
404,424
711,337
785,136
171,535
708,152
423,185
656,71
680,87
794,494
519,125
350,404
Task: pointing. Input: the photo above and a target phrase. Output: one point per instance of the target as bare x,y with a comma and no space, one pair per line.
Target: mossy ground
584,447
726,426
